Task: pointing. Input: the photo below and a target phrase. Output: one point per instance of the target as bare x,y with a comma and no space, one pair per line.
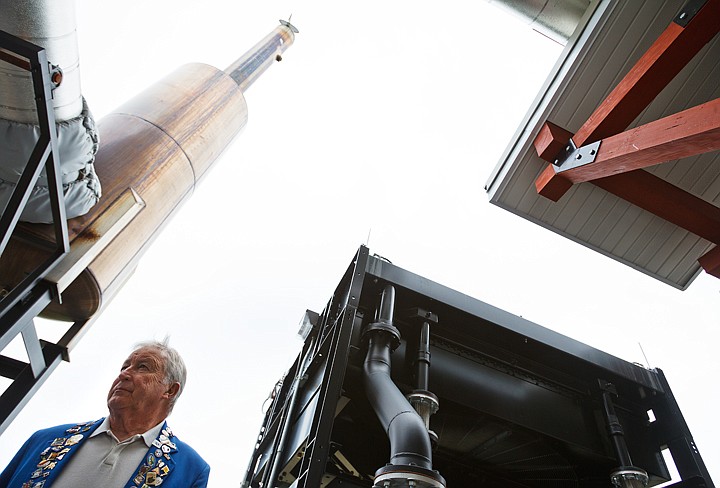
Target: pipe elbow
409,440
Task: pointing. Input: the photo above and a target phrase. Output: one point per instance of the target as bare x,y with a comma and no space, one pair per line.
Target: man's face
140,387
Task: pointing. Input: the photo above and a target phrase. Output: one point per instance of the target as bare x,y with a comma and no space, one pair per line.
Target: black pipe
409,440
617,435
423,356
387,305
626,475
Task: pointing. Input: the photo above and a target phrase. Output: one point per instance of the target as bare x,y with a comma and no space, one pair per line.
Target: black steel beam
562,348
313,465
673,431
45,151
16,396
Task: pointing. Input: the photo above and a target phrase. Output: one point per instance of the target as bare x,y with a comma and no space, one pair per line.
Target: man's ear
173,390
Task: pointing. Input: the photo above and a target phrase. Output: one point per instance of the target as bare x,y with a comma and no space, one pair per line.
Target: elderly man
132,447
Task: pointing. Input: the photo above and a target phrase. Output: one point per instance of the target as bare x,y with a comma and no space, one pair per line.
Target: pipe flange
387,327
434,439
625,475
394,476
425,398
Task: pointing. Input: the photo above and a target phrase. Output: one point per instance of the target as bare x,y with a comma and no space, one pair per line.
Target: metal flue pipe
410,449
155,148
556,20
256,61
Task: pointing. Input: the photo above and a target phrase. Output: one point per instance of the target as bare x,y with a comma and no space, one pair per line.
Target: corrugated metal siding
588,214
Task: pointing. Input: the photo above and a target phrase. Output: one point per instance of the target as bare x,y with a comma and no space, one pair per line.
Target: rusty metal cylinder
155,148
158,144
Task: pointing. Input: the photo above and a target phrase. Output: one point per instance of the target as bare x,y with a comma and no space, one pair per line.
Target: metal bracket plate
573,157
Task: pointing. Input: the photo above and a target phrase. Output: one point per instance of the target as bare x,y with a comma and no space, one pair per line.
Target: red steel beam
684,134
675,47
551,140
668,55
711,262
693,131
667,201
617,166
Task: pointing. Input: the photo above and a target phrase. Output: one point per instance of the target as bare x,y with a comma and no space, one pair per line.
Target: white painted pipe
52,25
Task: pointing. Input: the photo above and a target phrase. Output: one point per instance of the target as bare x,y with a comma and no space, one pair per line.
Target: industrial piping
410,449
423,401
626,475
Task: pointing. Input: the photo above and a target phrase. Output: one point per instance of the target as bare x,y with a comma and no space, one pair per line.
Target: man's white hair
175,370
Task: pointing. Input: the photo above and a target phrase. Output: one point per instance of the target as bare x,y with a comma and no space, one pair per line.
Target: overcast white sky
384,120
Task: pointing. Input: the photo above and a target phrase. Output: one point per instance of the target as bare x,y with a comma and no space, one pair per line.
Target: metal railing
20,305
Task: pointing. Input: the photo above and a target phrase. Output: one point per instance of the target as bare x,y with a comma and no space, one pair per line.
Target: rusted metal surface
198,106
158,144
95,238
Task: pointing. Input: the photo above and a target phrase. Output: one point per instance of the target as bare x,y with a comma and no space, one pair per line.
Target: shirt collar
148,437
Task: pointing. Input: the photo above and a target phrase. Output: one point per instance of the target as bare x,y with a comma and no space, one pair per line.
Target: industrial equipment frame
297,447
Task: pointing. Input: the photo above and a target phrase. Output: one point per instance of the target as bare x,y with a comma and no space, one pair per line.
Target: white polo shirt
104,461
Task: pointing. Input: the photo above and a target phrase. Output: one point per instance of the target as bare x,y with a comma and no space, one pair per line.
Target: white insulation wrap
77,145
50,24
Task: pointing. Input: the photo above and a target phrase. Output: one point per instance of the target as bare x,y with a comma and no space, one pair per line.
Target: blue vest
169,461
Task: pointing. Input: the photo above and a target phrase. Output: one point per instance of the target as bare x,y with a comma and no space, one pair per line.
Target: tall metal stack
403,382
153,150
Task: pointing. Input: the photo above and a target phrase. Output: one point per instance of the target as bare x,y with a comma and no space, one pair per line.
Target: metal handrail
32,58
20,306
